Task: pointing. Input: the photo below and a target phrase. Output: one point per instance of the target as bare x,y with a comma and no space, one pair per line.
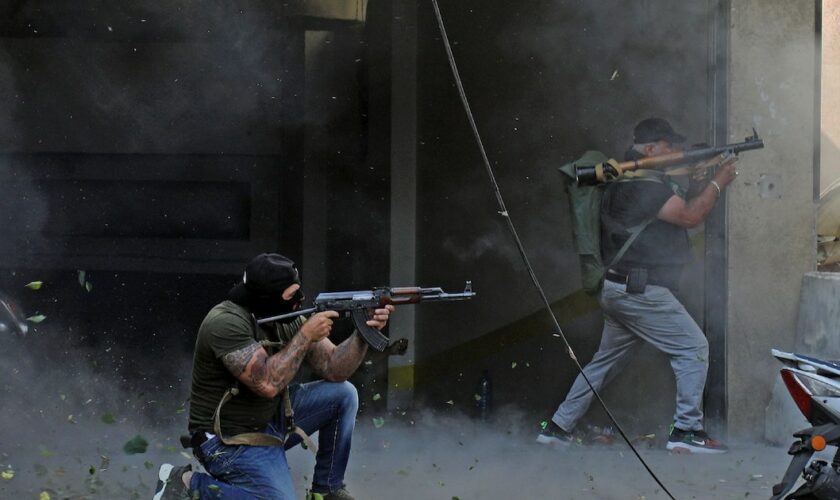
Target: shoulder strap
634,232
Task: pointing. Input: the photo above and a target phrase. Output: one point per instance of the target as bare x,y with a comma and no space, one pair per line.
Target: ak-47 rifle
603,172
356,304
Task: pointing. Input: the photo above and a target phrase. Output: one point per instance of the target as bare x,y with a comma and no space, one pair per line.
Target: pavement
425,458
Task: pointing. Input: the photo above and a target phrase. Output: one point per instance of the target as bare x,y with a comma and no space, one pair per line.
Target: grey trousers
655,316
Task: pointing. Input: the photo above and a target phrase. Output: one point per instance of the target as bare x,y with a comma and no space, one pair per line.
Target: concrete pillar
830,94
771,211
403,193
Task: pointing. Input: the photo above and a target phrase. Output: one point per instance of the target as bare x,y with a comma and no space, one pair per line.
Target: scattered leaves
7,474
46,453
83,281
35,285
513,365
91,470
378,422
44,496
135,445
108,418
148,465
377,397
36,319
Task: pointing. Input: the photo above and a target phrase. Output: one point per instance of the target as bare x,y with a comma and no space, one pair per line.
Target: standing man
637,297
241,393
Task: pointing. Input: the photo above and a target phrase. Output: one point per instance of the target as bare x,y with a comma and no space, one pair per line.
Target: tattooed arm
337,363
268,375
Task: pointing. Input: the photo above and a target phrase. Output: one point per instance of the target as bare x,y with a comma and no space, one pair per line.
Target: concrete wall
771,210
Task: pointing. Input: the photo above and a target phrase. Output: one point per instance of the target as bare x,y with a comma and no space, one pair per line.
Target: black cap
266,276
655,130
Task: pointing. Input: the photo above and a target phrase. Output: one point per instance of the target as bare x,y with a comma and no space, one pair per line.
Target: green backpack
586,223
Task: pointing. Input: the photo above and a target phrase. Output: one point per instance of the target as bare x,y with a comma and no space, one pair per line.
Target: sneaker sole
552,441
680,447
163,477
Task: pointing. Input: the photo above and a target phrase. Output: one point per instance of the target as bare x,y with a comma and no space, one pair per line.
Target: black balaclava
262,286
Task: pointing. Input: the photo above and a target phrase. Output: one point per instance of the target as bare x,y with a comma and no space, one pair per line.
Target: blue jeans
656,317
251,472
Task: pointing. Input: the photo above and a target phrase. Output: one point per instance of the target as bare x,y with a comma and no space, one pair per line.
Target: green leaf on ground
135,445
37,318
109,418
35,285
378,422
7,474
377,397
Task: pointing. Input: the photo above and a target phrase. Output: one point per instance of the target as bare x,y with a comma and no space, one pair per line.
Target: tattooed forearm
339,362
265,375
282,367
238,360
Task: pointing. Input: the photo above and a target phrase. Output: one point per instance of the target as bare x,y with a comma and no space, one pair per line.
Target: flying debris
11,317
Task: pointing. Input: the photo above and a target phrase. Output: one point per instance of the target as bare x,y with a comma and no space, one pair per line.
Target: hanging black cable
504,212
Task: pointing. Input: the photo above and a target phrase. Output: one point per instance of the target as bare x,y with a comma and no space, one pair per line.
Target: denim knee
348,396
701,350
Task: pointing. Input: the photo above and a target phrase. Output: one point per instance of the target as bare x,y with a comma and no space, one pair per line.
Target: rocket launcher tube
604,172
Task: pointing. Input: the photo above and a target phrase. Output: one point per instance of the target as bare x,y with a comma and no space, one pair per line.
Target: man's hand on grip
727,172
318,325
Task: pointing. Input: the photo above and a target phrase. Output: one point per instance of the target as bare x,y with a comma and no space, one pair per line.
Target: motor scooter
814,385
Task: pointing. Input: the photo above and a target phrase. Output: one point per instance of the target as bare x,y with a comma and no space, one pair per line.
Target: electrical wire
504,212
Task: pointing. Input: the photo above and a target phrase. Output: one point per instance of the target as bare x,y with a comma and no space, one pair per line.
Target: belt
621,278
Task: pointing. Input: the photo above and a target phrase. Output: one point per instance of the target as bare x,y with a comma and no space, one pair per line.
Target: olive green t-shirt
226,328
